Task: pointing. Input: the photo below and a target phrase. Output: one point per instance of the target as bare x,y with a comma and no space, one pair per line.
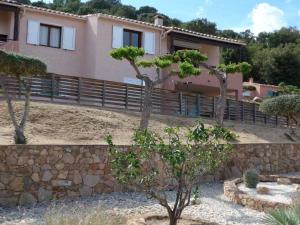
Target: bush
282,216
155,164
251,178
284,105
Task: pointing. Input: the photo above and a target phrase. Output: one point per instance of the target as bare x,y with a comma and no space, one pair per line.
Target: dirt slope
62,124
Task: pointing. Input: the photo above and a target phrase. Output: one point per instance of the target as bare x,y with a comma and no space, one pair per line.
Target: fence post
126,98
79,89
186,105
254,113
213,107
198,105
52,86
141,102
265,118
180,103
276,121
228,108
243,111
20,88
103,93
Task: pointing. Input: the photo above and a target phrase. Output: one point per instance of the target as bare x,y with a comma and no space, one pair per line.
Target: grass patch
80,216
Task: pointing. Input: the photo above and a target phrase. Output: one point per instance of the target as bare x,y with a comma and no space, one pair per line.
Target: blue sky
239,15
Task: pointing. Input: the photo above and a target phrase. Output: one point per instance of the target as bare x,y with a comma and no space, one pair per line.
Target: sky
239,15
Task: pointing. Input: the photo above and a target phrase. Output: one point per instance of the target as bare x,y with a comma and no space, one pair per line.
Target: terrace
9,27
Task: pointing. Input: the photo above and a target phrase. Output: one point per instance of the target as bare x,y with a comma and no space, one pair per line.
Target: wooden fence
101,93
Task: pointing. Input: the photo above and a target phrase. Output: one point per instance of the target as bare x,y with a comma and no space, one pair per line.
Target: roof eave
125,20
210,37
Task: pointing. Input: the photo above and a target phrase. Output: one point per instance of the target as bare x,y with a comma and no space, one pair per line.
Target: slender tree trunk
147,106
19,128
221,103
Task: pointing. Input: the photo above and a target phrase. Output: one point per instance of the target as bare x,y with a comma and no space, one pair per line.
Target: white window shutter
117,39
68,38
149,43
33,32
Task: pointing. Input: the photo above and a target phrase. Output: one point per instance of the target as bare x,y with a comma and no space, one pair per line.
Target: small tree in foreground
284,105
21,67
153,164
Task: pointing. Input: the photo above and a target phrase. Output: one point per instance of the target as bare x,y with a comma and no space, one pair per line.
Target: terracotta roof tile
202,35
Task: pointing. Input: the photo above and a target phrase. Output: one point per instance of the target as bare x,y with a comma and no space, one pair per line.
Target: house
252,90
79,45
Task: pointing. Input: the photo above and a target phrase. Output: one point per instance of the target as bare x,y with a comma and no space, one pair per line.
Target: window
50,36
132,38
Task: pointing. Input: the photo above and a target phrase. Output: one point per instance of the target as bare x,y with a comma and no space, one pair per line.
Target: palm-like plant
282,216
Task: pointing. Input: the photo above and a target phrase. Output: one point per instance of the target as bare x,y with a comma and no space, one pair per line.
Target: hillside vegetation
63,124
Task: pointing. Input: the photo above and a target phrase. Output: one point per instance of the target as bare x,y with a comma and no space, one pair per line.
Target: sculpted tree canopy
188,63
155,164
185,63
23,68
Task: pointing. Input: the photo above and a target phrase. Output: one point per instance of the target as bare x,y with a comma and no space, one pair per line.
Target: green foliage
251,178
199,153
186,68
15,65
283,216
130,53
284,105
201,25
243,68
276,65
187,60
154,163
288,89
191,56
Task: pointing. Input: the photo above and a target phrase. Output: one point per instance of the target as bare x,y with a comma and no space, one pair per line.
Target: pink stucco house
79,45
259,90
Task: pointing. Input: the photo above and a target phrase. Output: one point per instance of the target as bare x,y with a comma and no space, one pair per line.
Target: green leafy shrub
282,216
155,162
251,178
284,105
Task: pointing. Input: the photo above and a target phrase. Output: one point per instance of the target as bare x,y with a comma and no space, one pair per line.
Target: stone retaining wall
267,158
38,173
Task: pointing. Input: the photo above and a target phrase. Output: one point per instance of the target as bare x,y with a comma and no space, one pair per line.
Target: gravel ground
214,207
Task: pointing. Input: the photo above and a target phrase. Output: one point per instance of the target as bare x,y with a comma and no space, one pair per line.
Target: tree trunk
147,106
221,103
19,128
173,218
19,136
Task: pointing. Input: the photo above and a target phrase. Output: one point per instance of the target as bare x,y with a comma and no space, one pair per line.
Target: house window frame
48,26
130,37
